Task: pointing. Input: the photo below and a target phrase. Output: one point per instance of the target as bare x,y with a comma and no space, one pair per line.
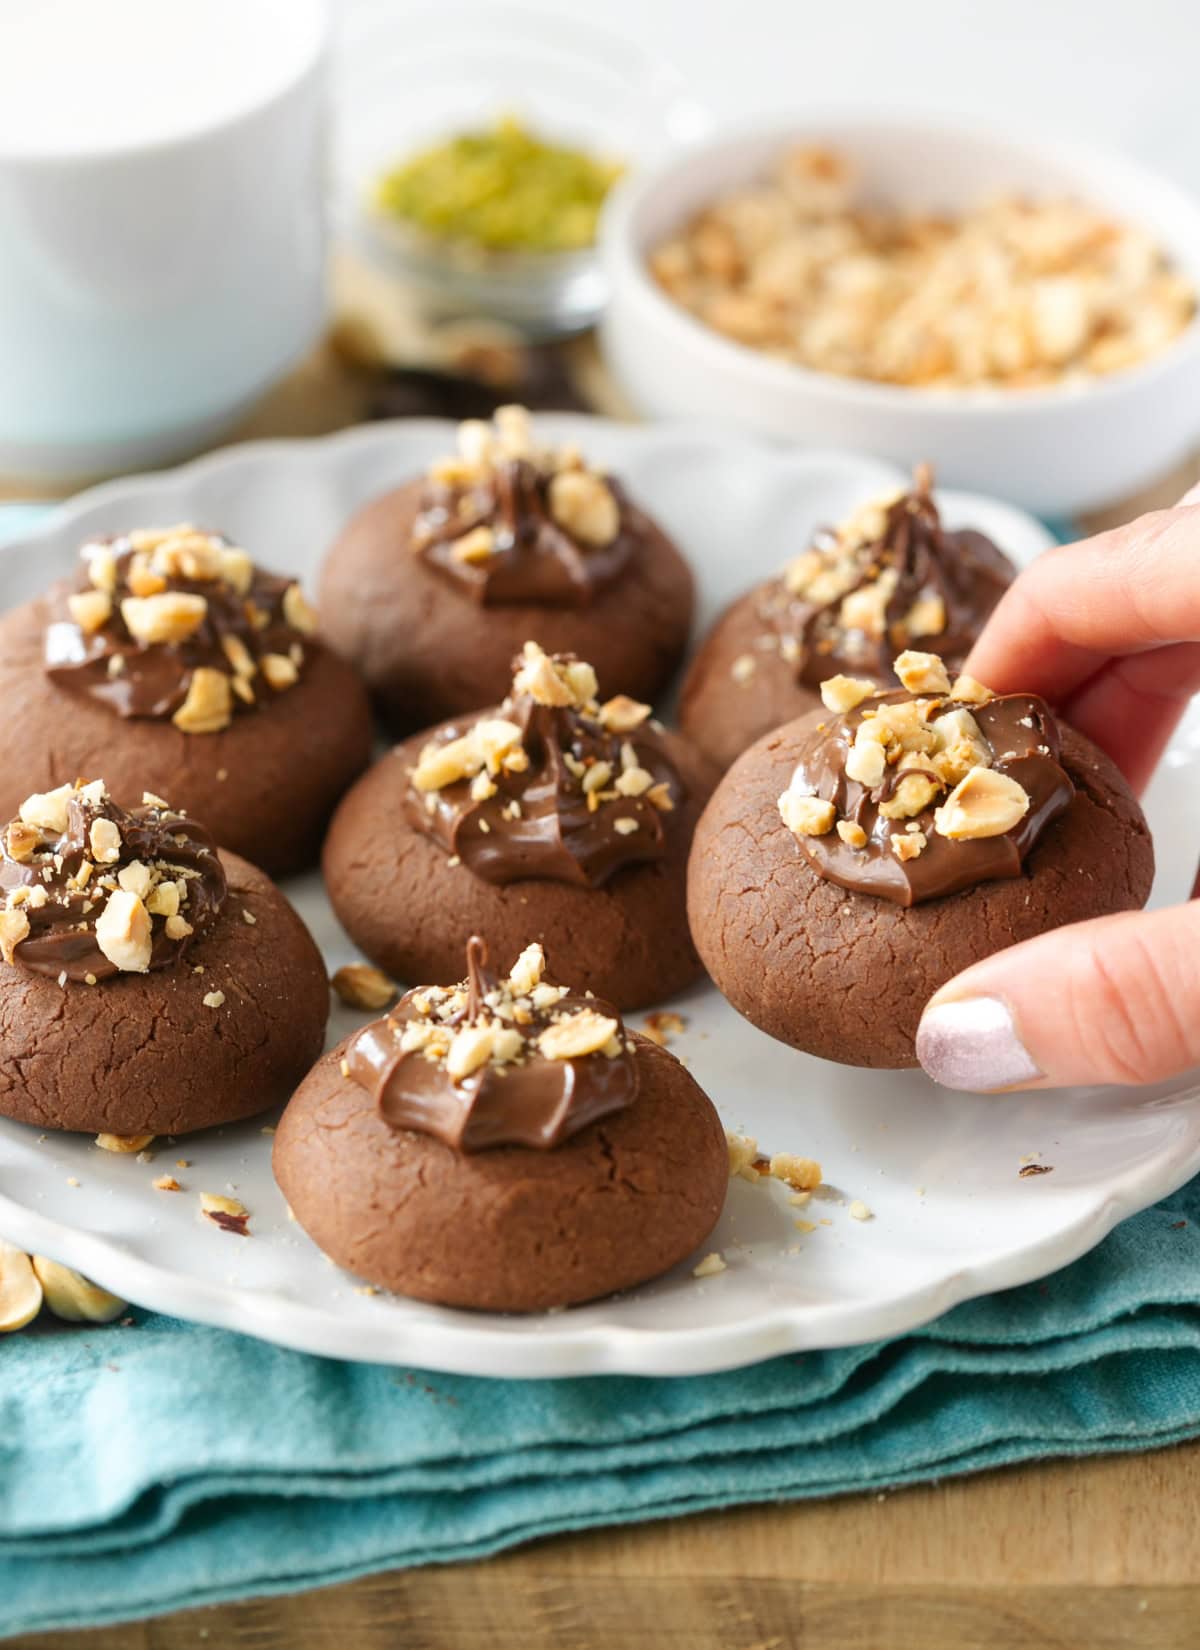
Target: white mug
161,221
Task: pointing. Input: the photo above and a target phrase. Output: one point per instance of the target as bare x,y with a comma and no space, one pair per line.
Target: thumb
1116,1000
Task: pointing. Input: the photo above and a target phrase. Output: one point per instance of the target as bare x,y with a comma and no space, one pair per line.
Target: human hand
1109,632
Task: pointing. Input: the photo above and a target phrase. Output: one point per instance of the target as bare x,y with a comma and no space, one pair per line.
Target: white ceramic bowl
1054,450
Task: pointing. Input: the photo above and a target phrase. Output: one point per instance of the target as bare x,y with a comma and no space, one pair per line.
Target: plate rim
454,1343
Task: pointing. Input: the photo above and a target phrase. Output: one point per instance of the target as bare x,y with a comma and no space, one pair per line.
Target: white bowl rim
625,261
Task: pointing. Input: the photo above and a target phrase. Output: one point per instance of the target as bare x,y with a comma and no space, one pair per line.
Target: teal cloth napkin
212,1466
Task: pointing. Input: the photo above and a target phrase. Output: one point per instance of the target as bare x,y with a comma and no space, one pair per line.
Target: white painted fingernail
974,1044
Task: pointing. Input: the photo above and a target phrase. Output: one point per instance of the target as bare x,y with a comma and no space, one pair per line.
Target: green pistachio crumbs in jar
504,189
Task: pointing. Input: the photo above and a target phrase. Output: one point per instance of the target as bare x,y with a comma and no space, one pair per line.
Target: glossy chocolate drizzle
1023,738
541,823
62,938
963,569
534,559
528,1099
139,679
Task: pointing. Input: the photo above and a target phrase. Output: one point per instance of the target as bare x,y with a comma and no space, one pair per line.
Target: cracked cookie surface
143,1053
510,1228
845,976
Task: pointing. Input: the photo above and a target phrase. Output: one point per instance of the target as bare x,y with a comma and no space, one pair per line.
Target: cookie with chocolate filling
432,588
889,578
551,816
502,1144
174,663
149,984
853,861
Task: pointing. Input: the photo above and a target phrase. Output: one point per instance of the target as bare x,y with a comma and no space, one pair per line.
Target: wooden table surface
1078,1555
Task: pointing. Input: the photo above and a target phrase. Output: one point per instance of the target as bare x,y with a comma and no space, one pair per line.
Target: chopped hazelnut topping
908,844
583,505
622,714
171,616
842,693
570,1038
104,840
743,667
709,1266
279,671
208,706
802,1174
922,672
851,833
359,985
478,545
297,612
970,691
213,999
123,932
90,609
14,927
806,815
984,803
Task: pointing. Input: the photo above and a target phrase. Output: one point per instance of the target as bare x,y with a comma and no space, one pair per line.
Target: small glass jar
411,77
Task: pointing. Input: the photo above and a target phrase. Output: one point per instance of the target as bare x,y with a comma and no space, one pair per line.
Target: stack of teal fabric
210,1466
215,1467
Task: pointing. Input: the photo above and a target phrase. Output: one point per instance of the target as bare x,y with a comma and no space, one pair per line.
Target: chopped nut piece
802,1174
579,1034
625,826
14,927
922,672
622,714
487,744
90,609
171,616
709,1266
743,1151
479,545
20,1291
162,900
297,612
123,932
584,505
806,815
241,660
743,667
125,1143
926,617
851,833
104,839
21,840
47,810
866,764
527,970
842,693
166,1183
208,706
72,1297
662,1025
912,794
361,986
470,1049
101,567
970,691
985,803
135,877
859,1211
908,844
213,999
177,928
596,777
279,671
225,1212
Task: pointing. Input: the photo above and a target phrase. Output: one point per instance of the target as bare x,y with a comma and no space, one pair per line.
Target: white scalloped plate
951,1216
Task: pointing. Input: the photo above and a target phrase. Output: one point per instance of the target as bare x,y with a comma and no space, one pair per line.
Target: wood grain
1079,1555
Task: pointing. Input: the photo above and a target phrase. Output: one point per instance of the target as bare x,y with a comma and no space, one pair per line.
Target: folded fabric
217,1466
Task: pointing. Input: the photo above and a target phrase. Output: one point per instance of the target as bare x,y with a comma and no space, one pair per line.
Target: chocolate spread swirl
935,589
489,1063
122,638
534,559
1020,743
70,851
561,796
510,523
